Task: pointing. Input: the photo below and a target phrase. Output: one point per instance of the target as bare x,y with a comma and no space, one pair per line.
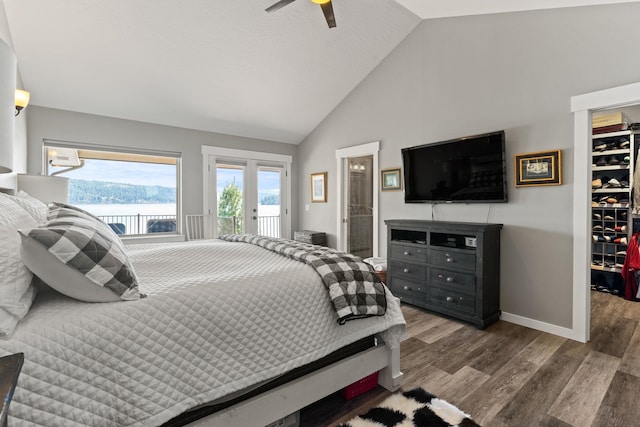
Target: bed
216,320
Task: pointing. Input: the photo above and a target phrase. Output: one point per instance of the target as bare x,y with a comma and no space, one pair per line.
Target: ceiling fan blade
327,9
278,5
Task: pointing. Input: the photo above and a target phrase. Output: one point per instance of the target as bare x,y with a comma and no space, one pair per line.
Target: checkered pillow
79,256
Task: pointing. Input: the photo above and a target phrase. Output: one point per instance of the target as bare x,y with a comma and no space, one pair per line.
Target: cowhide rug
414,408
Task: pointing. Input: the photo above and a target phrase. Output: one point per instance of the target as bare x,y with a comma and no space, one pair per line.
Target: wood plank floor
509,375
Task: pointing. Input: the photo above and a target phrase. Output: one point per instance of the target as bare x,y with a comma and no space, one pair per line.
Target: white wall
48,123
462,76
20,123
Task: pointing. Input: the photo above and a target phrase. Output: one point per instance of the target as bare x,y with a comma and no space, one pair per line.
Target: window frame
131,238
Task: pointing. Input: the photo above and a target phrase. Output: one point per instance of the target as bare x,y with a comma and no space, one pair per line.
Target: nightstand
10,367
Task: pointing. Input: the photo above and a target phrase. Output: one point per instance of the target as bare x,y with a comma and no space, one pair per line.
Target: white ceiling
216,65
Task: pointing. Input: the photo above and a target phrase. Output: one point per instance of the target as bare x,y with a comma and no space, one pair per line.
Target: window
135,193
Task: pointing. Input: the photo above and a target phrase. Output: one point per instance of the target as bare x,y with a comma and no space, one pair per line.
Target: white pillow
78,255
34,207
16,292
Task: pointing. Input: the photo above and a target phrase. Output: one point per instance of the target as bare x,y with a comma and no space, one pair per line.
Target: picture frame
538,169
391,179
319,187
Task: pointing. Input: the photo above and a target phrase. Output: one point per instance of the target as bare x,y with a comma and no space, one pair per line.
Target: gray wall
20,130
47,123
462,76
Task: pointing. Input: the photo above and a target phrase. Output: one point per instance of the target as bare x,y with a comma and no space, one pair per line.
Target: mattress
219,317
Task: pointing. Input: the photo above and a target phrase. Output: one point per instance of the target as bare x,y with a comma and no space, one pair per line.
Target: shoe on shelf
621,253
612,199
601,161
621,228
623,144
609,230
622,215
608,218
597,216
614,160
600,147
597,228
620,240
613,183
596,183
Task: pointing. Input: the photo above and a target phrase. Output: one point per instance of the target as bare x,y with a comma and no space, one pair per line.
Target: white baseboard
540,326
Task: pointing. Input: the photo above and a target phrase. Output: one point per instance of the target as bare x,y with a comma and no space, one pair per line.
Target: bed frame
277,403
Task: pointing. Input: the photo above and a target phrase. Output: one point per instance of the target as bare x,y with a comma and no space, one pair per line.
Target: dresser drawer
453,259
448,279
408,271
410,292
451,300
408,253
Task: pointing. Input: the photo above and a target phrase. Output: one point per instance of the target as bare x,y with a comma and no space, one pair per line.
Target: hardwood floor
510,375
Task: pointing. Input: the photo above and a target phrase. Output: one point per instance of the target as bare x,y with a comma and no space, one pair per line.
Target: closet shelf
603,268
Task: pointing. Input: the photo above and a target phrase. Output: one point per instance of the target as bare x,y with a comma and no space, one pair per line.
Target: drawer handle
406,270
449,279
406,288
449,259
449,299
406,252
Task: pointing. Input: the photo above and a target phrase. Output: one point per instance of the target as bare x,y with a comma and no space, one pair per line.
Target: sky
162,175
124,172
268,182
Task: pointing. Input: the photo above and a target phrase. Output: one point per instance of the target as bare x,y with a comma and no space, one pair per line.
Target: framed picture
319,187
541,168
391,179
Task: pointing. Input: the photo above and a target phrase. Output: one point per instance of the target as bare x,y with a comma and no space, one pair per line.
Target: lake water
157,209
142,209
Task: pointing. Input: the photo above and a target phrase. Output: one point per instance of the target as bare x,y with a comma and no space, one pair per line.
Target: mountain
85,192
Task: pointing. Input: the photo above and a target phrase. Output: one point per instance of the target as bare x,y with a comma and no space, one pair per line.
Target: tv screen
464,170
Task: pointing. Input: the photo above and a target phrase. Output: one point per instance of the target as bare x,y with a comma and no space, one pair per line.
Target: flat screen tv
464,170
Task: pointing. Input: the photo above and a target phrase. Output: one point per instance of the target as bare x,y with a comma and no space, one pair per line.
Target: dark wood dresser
452,268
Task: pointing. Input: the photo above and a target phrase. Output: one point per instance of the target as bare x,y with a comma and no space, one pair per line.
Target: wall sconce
22,100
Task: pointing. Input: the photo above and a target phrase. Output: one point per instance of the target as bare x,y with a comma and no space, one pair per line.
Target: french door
247,192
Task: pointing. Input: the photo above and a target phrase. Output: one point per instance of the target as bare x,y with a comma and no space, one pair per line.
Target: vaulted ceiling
224,66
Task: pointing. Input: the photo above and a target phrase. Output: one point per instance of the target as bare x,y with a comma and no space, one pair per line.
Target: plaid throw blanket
355,290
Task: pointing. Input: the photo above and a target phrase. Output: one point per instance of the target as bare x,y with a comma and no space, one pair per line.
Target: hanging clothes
636,188
631,268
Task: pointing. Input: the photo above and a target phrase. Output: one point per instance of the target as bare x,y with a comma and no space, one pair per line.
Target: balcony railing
140,224
144,224
267,225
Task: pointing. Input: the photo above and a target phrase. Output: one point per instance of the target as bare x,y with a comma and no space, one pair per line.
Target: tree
230,209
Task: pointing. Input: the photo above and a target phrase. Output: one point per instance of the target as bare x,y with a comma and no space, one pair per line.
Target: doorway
357,190
360,206
582,107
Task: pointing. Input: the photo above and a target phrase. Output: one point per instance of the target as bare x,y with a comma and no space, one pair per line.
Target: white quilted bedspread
210,326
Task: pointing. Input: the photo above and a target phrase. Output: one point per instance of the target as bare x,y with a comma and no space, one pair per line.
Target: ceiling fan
327,9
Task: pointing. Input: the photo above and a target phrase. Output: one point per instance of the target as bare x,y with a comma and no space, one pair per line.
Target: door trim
582,107
342,154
